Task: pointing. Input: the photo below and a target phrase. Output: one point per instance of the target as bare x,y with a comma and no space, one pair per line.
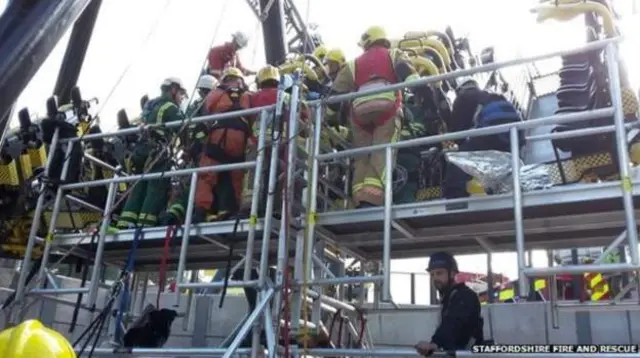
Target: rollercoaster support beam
273,31
27,41
76,51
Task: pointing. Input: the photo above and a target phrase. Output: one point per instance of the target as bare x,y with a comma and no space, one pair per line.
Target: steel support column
76,51
29,44
273,31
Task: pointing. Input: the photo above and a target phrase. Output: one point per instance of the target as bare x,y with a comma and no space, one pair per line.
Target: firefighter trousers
148,198
369,170
231,144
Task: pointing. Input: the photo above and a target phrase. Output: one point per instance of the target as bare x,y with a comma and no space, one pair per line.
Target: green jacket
161,110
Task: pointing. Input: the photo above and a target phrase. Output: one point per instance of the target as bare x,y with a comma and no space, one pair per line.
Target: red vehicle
595,286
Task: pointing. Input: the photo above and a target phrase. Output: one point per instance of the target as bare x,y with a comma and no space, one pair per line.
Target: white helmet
466,82
207,82
240,39
169,81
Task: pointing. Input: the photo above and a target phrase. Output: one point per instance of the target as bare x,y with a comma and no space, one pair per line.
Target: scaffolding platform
208,244
581,215
575,215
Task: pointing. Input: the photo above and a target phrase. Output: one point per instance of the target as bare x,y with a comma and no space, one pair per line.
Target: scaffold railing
305,226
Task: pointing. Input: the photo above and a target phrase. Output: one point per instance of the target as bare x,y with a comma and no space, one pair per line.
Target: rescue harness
216,150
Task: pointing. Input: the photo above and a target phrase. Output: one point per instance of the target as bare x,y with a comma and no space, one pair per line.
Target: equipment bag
153,328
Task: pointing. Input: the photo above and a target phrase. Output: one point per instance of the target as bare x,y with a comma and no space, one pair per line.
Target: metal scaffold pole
56,210
282,268
35,225
275,297
523,285
276,130
622,149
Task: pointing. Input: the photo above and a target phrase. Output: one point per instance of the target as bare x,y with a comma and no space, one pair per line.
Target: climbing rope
338,316
130,63
170,236
125,194
184,125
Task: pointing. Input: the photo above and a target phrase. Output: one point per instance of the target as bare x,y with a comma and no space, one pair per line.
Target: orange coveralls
226,144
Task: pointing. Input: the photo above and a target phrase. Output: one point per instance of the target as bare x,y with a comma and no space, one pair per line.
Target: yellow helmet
320,52
232,71
268,73
335,55
373,34
32,339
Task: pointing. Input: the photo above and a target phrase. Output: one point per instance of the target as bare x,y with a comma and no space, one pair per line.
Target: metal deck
580,215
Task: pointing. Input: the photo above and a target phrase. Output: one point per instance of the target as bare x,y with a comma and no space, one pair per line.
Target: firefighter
226,55
192,142
149,197
461,322
333,61
375,119
32,339
206,83
198,131
218,195
268,79
476,108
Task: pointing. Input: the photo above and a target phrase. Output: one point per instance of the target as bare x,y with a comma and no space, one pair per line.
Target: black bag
151,330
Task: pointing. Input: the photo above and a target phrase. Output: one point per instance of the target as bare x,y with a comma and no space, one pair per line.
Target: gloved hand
425,348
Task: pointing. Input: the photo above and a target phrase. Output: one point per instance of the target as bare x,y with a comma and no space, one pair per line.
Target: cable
143,45
184,125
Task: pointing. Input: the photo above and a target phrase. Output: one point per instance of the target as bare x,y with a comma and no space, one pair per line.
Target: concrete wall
506,323
511,323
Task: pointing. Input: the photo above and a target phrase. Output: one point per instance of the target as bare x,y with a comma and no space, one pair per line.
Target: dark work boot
366,204
199,215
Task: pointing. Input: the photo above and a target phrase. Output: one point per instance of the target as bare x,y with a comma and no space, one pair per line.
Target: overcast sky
179,43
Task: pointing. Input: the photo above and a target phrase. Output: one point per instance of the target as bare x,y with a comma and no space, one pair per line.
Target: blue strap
497,110
138,236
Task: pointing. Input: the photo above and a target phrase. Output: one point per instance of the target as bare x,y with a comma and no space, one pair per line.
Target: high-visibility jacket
597,286
159,111
375,64
510,293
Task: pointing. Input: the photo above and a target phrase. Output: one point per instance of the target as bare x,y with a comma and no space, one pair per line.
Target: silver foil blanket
492,169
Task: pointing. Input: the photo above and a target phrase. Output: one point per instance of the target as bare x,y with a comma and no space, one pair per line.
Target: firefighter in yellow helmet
31,339
333,62
375,119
